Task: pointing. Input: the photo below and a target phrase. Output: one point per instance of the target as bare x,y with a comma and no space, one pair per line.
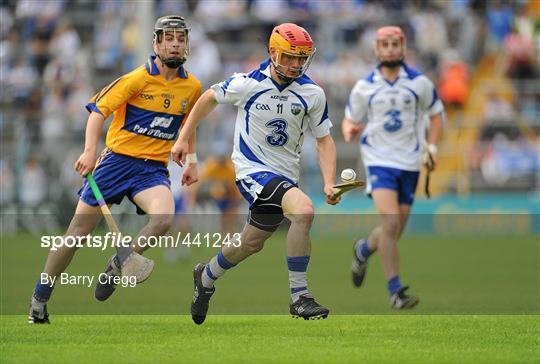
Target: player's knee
160,224
392,225
303,214
80,226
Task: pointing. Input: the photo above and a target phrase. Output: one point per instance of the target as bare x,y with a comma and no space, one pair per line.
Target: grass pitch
273,339
479,303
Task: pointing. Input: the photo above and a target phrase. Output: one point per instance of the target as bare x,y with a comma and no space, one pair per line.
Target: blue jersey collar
152,69
403,73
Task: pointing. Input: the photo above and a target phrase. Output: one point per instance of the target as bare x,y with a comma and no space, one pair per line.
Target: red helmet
390,31
292,40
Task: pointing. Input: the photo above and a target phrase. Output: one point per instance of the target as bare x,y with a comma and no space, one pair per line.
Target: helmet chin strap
172,62
392,64
282,77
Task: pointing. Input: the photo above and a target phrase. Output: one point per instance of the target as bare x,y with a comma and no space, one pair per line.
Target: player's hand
429,157
191,175
350,130
85,164
179,151
430,165
329,191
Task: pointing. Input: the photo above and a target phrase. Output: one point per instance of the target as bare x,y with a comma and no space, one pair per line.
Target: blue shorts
404,182
223,204
119,175
179,205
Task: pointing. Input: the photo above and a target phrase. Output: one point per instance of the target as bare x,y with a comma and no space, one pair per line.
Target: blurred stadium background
482,55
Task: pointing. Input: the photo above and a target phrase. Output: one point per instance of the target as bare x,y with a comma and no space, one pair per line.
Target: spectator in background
499,18
10,47
53,125
204,61
60,72
107,36
7,183
430,36
130,40
269,12
65,42
519,56
223,16
499,117
33,184
40,43
75,113
530,110
505,160
171,7
21,80
454,79
7,21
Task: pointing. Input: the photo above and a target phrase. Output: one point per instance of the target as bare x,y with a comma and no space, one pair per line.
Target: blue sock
362,250
297,267
43,292
394,285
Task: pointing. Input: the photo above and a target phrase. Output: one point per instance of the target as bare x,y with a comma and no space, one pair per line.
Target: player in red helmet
291,50
277,104
388,108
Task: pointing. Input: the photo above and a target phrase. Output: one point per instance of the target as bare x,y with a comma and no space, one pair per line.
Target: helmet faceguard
171,24
293,51
390,34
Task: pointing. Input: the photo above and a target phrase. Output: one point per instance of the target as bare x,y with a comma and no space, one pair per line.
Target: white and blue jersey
393,114
271,123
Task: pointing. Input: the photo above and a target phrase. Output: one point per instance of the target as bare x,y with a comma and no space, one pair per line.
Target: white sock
216,267
298,284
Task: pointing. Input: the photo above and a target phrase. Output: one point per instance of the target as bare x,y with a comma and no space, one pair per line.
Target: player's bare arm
204,106
191,174
350,129
434,135
87,161
326,152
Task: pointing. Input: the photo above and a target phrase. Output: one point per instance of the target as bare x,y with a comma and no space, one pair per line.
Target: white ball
348,175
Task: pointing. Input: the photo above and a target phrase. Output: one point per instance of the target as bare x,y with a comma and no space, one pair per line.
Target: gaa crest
185,103
296,108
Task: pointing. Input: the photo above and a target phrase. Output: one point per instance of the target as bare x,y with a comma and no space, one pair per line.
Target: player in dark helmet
171,40
148,105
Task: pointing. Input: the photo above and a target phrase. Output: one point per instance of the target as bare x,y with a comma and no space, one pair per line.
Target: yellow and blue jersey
148,110
222,176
